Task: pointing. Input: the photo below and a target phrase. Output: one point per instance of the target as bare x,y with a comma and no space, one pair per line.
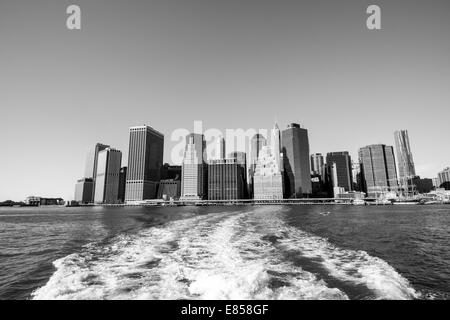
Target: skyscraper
356,175
83,190
317,164
343,174
220,148
378,172
91,164
108,175
122,184
296,161
268,179
258,141
225,179
241,158
145,159
256,144
275,143
194,174
405,161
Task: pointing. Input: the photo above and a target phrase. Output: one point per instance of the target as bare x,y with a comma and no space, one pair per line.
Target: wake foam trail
353,266
242,266
120,269
206,257
219,256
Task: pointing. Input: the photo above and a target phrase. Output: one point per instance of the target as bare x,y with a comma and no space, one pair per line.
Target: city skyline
228,63
211,148
285,169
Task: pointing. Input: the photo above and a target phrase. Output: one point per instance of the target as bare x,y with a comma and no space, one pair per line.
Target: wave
355,267
248,255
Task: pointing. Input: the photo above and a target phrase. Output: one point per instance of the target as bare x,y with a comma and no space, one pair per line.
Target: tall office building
194,174
145,159
406,169
257,142
296,161
83,190
378,171
317,164
241,158
108,176
122,184
356,175
268,179
226,179
275,143
343,174
91,164
220,148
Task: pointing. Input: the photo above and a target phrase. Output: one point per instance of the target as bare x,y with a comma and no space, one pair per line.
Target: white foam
354,266
216,256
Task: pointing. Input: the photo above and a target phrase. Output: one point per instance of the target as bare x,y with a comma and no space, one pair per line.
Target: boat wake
249,255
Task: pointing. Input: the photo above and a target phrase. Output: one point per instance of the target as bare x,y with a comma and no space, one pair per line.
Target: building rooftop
148,128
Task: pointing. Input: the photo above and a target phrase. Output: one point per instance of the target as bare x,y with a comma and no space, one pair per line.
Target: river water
228,252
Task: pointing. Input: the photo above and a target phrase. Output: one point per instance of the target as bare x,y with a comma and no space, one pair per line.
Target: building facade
356,174
443,178
194,174
108,176
317,164
220,148
343,166
378,170
435,183
122,184
40,201
406,169
268,179
145,159
169,189
422,185
226,179
91,164
83,190
295,148
171,172
241,158
257,142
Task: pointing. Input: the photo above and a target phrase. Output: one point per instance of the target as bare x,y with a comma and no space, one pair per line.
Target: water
248,252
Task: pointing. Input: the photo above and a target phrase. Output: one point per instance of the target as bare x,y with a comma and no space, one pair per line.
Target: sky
231,64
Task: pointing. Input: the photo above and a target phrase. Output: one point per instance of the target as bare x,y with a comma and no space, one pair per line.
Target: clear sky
229,63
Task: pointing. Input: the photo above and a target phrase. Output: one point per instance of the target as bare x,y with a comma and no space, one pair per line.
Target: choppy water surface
248,252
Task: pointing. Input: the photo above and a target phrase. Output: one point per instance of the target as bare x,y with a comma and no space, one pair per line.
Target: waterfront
245,252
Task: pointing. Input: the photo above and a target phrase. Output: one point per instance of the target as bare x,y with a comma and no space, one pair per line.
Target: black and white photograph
234,152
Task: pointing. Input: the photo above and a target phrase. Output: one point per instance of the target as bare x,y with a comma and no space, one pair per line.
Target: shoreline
252,202
240,203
